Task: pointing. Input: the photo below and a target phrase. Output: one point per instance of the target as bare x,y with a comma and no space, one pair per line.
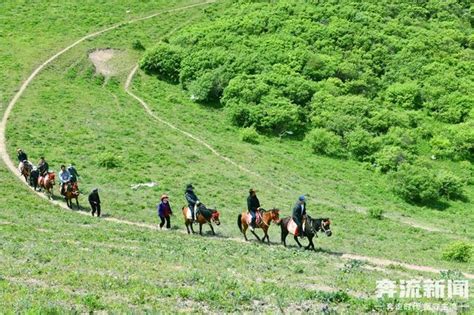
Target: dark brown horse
203,216
311,229
47,182
266,217
71,192
25,169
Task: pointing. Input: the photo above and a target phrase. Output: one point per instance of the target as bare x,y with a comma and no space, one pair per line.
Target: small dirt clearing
108,62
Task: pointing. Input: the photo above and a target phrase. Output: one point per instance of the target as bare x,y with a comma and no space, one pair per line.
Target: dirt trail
10,165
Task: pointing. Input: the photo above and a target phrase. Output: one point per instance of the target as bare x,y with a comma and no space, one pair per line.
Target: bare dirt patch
109,62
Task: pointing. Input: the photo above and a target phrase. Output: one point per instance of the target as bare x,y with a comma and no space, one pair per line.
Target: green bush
416,184
109,160
249,135
405,95
389,158
361,144
164,60
137,45
375,213
324,142
450,186
458,251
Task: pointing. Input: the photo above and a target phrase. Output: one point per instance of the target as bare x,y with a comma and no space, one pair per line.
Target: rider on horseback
299,214
193,201
65,178
253,205
74,174
43,167
22,157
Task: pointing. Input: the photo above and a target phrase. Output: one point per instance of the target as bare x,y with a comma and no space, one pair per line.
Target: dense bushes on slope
383,82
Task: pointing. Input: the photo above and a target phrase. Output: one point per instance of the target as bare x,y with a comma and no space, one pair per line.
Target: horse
266,217
34,175
312,227
47,182
25,169
71,192
203,216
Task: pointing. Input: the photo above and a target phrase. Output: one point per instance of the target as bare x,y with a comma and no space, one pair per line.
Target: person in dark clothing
74,174
22,155
94,201
192,199
43,167
253,205
299,214
164,211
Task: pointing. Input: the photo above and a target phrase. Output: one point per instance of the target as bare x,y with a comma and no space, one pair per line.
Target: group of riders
253,207
68,178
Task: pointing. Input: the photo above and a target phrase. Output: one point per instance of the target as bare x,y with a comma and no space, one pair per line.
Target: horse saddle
292,227
258,219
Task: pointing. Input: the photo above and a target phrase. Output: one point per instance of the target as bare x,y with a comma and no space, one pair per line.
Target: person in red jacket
164,211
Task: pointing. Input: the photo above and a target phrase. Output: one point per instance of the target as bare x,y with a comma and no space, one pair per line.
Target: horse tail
239,222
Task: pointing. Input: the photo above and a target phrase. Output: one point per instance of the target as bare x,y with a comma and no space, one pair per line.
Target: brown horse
204,216
71,192
25,169
47,182
266,217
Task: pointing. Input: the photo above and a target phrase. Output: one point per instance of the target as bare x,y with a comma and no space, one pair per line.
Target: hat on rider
190,186
251,190
95,190
19,150
302,198
164,196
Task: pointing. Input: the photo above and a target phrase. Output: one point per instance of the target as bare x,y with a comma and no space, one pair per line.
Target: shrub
452,108
450,186
249,135
164,60
458,251
375,213
360,144
416,184
405,95
324,142
137,45
389,158
109,160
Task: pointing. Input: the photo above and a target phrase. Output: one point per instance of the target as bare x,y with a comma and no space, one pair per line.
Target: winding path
12,167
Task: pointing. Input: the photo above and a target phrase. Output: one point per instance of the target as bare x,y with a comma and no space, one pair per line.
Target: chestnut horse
71,192
266,216
312,227
47,182
204,216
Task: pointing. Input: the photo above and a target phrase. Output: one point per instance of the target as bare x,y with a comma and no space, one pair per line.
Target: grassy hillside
74,262
371,81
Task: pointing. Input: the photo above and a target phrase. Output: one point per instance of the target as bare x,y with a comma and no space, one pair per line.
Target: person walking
94,201
164,211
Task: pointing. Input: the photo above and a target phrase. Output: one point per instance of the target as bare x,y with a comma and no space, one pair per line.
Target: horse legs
187,227
200,228
311,244
244,230
258,238
212,228
192,229
265,231
77,203
296,239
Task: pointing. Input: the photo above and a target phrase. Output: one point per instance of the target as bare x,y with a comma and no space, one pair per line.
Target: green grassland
71,262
